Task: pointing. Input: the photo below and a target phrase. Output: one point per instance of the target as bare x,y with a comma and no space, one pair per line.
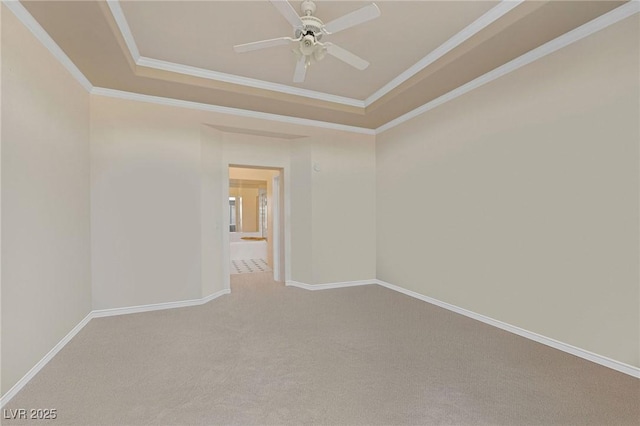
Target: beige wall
529,197
343,209
251,174
211,203
249,207
46,282
325,244
528,210
145,204
153,166
301,212
2,387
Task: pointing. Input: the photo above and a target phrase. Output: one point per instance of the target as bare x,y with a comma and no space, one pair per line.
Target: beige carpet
268,354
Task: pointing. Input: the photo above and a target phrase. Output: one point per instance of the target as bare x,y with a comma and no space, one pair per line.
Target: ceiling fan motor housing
312,25
308,31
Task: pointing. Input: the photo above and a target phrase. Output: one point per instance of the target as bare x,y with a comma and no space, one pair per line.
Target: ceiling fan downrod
308,7
310,24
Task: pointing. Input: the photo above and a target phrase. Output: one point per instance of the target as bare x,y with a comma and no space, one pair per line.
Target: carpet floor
270,354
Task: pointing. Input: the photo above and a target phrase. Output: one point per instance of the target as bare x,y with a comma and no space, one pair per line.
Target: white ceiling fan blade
289,13
346,56
263,44
301,70
354,18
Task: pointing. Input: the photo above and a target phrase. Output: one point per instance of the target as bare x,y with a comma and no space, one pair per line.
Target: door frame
282,226
276,243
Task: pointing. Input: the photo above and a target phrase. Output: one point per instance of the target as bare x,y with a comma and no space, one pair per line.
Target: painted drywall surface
148,213
1,388
343,205
301,216
253,174
332,211
211,203
249,198
46,288
529,197
145,204
334,186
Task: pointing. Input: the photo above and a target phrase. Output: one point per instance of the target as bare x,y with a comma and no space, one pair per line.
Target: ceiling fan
308,31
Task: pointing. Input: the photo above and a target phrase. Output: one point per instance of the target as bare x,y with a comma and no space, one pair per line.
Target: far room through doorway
255,243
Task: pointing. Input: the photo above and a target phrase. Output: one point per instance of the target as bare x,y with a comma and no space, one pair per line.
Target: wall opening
256,221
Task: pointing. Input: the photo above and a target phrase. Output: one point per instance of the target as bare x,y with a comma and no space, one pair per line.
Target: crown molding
41,35
143,61
32,25
100,91
504,7
123,26
626,10
484,21
245,81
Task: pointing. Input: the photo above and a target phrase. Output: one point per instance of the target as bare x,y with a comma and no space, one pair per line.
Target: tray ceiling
403,34
418,50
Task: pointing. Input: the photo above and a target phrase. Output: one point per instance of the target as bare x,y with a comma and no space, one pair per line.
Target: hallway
248,266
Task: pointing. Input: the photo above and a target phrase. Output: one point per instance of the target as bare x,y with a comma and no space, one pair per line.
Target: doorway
255,209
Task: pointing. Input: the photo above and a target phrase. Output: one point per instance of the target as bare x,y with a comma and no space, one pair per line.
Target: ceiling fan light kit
308,30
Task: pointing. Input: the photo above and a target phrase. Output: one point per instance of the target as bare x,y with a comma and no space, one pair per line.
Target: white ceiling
202,34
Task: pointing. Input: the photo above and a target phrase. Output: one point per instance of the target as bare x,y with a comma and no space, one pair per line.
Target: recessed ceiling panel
202,34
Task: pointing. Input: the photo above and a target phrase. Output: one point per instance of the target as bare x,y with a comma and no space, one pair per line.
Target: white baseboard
99,314
328,286
215,295
582,353
48,357
573,350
